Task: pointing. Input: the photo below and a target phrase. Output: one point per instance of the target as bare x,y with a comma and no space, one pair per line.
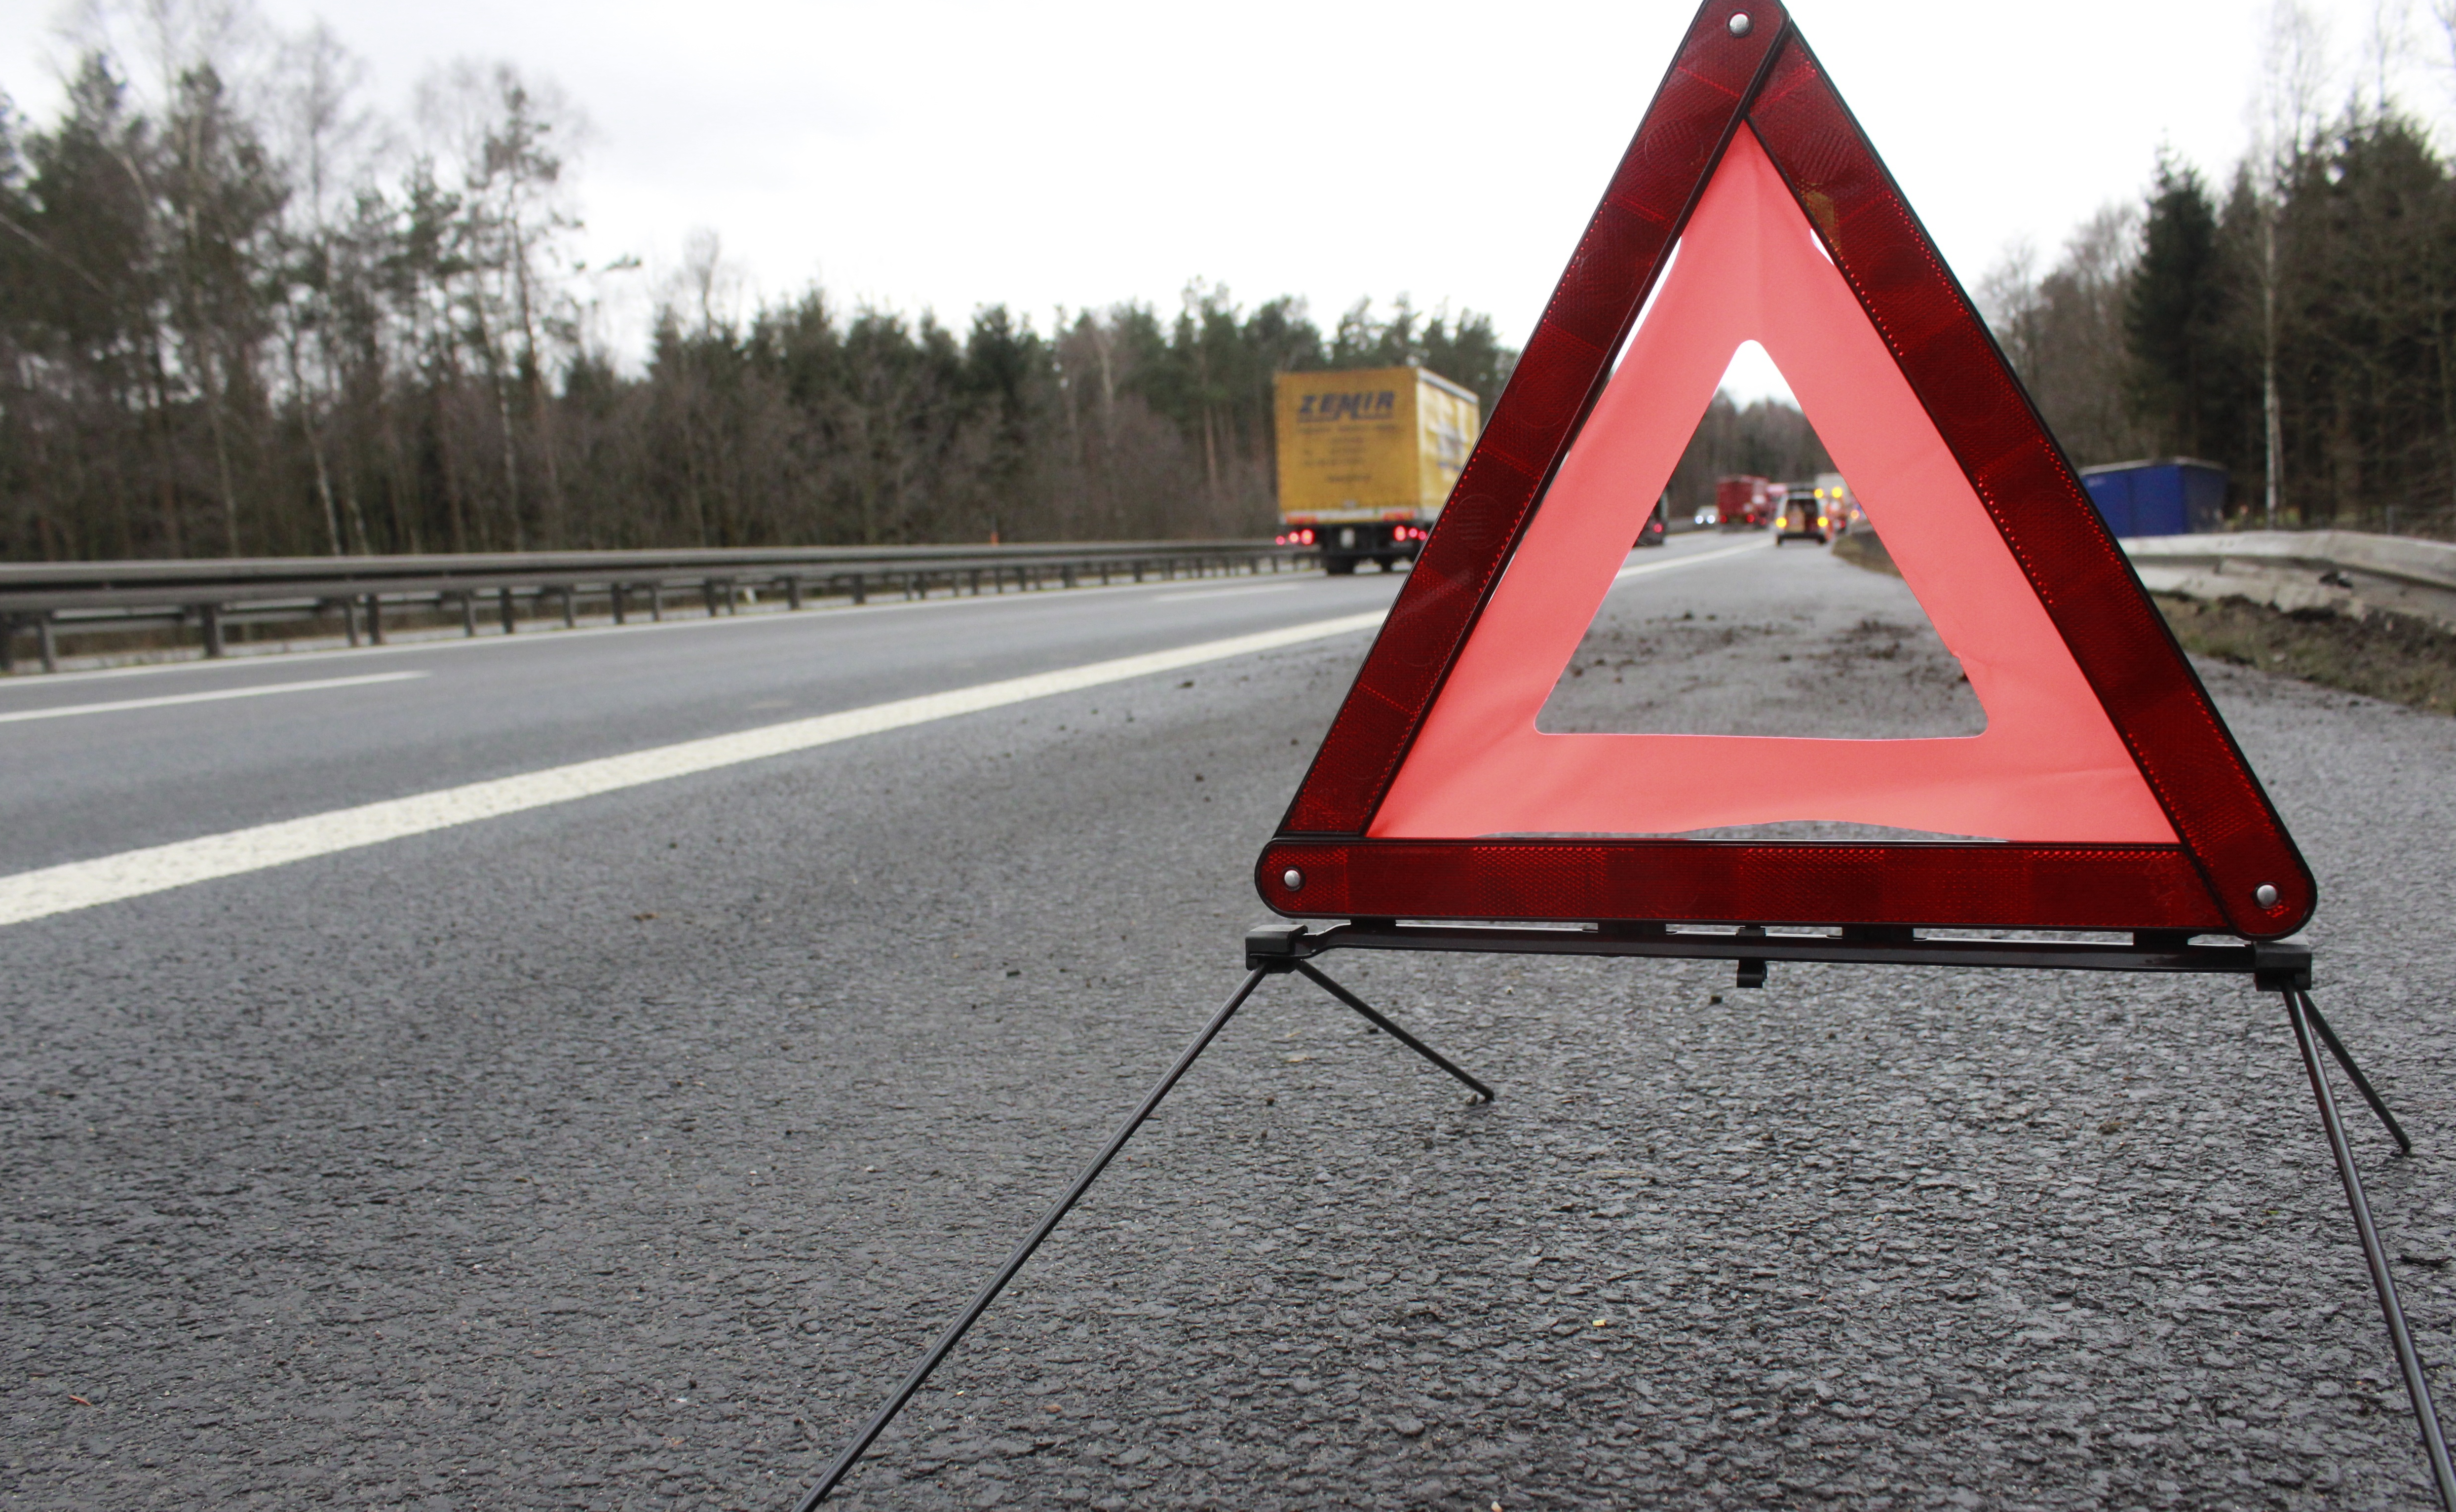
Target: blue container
2173,496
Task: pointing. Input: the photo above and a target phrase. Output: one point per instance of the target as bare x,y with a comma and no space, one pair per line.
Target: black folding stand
1280,949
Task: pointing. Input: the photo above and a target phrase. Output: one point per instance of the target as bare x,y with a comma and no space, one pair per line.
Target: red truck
1744,501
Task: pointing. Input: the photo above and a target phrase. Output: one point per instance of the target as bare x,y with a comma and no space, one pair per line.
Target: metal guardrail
2348,572
52,600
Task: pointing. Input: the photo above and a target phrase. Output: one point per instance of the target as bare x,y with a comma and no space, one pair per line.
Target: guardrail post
210,614
375,619
505,598
8,644
707,593
350,620
1066,575
657,602
469,614
619,592
570,610
860,589
792,593
46,643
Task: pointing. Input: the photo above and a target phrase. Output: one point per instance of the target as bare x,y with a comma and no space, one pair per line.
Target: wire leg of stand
2337,1048
2417,1387
1394,1031
955,1331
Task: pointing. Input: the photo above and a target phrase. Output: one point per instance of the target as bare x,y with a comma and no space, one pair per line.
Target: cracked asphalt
621,1154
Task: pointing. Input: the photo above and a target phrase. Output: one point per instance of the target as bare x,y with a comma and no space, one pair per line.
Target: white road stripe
115,706
1675,564
156,869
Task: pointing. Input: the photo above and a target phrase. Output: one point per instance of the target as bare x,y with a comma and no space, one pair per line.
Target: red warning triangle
2109,794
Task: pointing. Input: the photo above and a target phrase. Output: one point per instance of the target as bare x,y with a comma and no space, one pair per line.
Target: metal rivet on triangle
1739,22
2264,895
1294,878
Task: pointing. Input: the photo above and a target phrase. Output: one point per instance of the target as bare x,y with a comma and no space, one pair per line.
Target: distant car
1803,518
1658,524
1707,518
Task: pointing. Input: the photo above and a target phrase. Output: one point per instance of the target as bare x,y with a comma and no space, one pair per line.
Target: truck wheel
1339,566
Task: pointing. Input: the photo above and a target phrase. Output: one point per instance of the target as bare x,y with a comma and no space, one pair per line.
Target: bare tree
2286,119
506,138
2063,332
328,141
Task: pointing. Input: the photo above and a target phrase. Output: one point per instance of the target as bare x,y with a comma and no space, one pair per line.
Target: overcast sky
931,154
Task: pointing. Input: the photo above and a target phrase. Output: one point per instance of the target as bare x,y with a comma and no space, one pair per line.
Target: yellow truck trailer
1367,458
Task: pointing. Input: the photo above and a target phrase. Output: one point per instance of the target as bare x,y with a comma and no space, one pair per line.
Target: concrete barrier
2347,572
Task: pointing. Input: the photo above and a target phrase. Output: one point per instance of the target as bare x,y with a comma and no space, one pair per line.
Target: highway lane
619,1154
102,763
91,784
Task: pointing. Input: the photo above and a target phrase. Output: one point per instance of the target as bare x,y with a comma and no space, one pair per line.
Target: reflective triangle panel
2114,795
2049,766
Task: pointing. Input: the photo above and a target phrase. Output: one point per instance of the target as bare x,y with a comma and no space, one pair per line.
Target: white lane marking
158,868
116,706
1223,593
1677,562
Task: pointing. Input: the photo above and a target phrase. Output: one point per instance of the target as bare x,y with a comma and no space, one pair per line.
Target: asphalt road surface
622,1151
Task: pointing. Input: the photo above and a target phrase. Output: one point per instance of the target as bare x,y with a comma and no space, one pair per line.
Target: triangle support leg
2417,1385
1375,1017
1023,1252
2361,1083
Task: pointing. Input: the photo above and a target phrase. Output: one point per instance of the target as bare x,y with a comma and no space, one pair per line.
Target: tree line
2294,321
241,314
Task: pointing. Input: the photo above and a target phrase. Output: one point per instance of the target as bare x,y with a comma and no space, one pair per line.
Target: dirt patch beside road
2385,655
1862,549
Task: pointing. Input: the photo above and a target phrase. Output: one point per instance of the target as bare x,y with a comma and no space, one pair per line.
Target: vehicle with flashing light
1836,502
1744,501
1367,458
1802,517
